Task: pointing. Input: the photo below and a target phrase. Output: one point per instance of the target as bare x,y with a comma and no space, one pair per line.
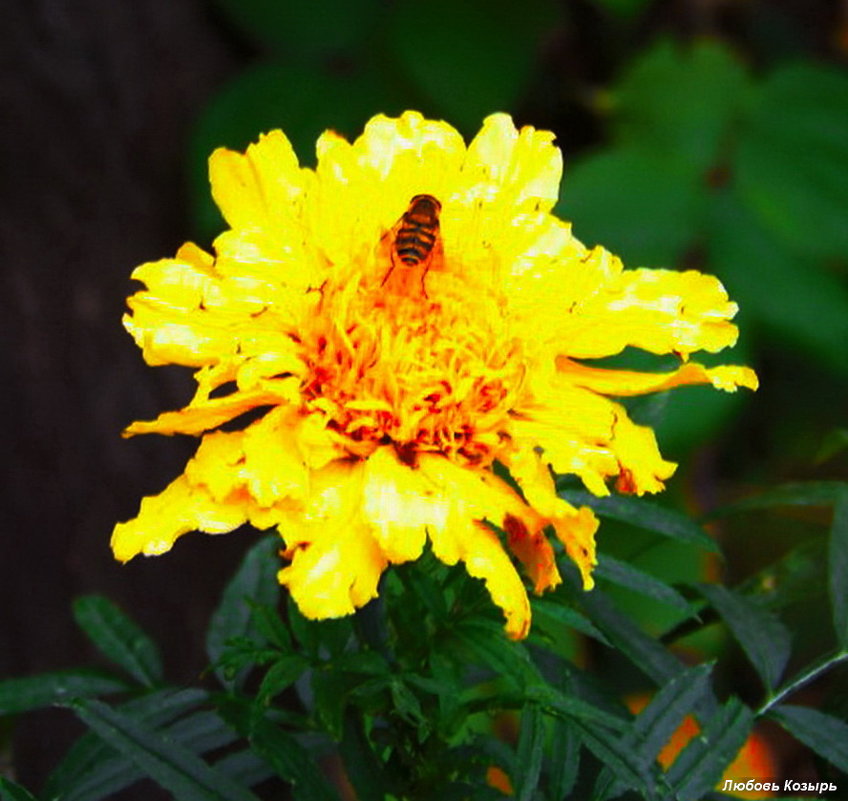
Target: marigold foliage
390,391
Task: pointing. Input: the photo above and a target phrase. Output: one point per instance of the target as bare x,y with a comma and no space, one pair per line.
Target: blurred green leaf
244,767
792,295
311,30
834,443
365,770
564,762
765,640
47,689
119,638
624,8
641,205
256,581
802,493
9,791
627,575
172,766
678,101
702,762
302,102
530,750
793,158
838,568
472,58
825,734
645,515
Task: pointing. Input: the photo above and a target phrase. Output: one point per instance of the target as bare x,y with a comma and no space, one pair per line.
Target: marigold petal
206,415
178,509
661,311
258,188
485,558
629,382
399,504
642,469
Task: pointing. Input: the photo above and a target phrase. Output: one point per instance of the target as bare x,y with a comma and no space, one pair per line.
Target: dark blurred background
682,146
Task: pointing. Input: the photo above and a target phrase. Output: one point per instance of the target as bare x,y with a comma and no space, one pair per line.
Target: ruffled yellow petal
661,311
260,188
629,382
178,509
336,563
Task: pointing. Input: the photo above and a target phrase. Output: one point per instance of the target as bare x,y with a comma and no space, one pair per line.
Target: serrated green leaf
119,638
531,739
806,305
702,762
92,769
658,721
170,765
646,515
47,689
807,493
312,31
284,672
678,101
838,568
825,734
764,639
619,759
626,575
256,581
569,707
9,791
604,197
793,155
478,60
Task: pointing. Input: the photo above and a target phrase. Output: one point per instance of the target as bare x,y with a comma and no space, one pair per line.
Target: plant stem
813,672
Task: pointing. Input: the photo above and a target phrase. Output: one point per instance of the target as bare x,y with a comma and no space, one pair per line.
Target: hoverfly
414,239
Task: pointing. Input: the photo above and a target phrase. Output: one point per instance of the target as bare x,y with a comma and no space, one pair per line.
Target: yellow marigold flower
407,315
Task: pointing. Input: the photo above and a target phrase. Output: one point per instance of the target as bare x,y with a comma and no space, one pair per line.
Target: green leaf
624,8
569,707
172,766
564,759
825,734
678,101
308,30
604,197
477,59
763,637
119,638
255,581
9,791
644,651
92,769
656,723
487,643
554,619
702,762
289,759
245,768
47,689
366,771
838,568
284,672
793,156
646,515
806,304
619,759
626,575
303,102
807,493
531,739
